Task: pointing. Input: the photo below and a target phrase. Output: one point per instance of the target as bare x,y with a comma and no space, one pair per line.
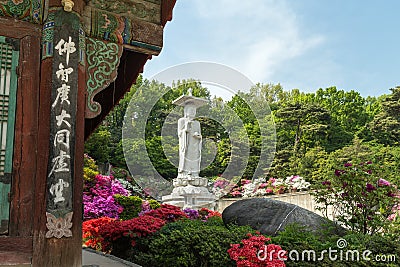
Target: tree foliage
385,126
314,131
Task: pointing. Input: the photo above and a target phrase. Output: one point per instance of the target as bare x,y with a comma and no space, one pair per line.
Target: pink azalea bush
222,186
98,197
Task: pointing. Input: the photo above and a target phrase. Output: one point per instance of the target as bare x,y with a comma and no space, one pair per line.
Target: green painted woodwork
8,88
138,34
48,36
102,59
27,10
134,9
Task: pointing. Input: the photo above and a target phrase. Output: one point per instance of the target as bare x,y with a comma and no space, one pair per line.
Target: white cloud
300,44
257,37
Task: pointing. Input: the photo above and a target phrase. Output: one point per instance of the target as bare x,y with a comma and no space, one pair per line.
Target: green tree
348,109
364,152
314,164
105,144
273,95
349,114
385,127
114,122
303,125
97,146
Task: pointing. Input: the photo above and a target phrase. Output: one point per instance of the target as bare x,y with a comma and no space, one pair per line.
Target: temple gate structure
64,64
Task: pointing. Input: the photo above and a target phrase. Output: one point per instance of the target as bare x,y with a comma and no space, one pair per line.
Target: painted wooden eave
133,58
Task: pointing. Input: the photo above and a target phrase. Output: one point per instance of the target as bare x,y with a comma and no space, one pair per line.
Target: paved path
92,258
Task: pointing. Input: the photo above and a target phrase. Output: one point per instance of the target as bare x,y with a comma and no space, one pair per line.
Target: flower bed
167,236
104,233
259,187
152,234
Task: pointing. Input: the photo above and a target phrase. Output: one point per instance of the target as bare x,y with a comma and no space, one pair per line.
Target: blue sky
304,44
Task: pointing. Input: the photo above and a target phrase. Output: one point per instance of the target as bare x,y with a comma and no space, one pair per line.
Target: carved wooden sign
60,175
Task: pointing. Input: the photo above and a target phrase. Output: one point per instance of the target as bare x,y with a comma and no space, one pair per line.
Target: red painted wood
42,161
166,10
18,29
16,244
25,144
15,250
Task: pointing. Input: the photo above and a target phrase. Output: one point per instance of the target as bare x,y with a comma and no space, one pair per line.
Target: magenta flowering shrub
98,206
149,205
222,186
117,188
98,200
221,183
238,189
191,213
362,196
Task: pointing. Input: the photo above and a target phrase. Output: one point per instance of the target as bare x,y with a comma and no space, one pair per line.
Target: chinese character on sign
57,190
62,137
63,73
66,47
61,118
59,163
62,94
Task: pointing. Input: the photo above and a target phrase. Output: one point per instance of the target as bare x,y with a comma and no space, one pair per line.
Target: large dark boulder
271,216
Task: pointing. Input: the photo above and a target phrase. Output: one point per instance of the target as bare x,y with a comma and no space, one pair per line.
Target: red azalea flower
254,251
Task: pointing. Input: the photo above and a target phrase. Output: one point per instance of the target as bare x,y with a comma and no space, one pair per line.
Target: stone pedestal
189,196
195,181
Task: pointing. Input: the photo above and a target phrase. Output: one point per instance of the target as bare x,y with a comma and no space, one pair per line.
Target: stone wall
301,199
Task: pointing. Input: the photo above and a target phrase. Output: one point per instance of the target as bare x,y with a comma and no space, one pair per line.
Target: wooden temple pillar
64,65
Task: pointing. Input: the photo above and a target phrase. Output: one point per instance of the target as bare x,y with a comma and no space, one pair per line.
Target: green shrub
377,244
394,227
132,206
154,204
120,173
190,243
90,169
296,237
